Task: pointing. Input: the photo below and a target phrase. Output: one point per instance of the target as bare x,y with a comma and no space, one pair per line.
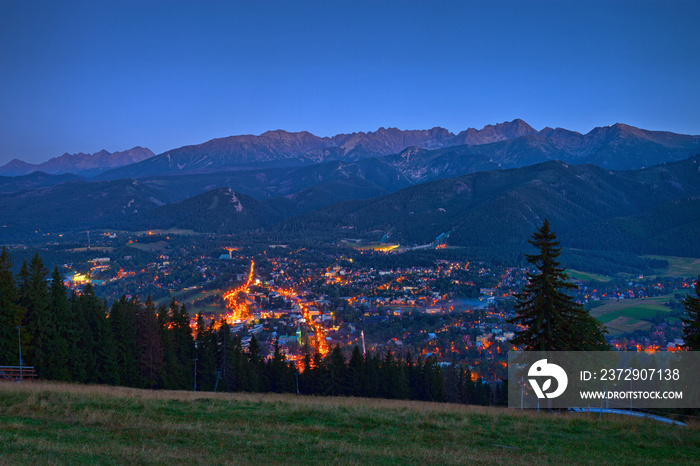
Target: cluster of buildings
454,310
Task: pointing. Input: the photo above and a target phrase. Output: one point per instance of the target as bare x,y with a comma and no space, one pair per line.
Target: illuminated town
313,298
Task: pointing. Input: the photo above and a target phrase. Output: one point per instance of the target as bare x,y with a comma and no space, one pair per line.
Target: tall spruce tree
276,369
205,352
150,356
80,338
10,314
63,337
122,318
254,366
691,323
224,357
336,365
355,373
178,349
553,321
97,340
34,297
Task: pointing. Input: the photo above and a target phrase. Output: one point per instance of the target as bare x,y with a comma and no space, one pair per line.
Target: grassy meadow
680,266
169,231
587,276
156,246
628,315
68,424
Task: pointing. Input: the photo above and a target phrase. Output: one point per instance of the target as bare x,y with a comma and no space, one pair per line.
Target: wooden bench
17,373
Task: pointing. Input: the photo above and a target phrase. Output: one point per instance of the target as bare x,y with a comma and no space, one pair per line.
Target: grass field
680,266
170,231
67,424
586,276
628,315
100,249
155,246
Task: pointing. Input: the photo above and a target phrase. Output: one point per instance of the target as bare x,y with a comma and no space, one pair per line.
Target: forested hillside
498,208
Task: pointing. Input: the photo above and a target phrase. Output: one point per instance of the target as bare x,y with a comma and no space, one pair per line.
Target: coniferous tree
452,383
403,391
62,338
205,352
306,385
10,312
355,375
34,297
691,323
150,357
411,376
80,337
97,341
320,375
86,338
254,365
553,321
433,380
179,353
418,387
277,368
223,357
122,318
23,283
336,366
239,377
389,376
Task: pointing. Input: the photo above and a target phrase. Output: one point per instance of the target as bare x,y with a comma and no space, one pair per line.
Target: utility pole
522,387
195,374
19,343
297,375
364,352
218,375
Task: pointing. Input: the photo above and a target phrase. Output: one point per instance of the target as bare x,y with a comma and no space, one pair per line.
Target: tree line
77,337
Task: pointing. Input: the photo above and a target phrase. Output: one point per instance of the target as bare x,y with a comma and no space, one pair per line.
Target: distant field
45,423
680,266
586,276
171,231
157,246
101,249
628,315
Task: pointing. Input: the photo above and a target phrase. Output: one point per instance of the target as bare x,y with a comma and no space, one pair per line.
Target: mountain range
78,164
425,154
281,148
419,155
616,188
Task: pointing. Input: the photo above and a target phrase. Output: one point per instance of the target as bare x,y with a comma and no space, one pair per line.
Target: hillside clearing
628,315
679,266
587,276
155,246
61,423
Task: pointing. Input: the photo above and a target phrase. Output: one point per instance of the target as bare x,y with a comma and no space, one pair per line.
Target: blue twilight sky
91,75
